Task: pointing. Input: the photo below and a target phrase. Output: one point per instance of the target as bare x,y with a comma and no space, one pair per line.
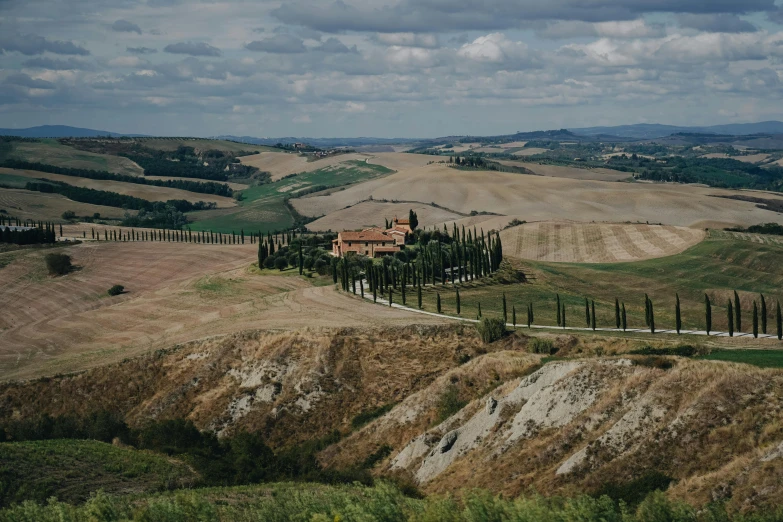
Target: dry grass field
400,160
543,198
171,144
281,164
53,153
374,213
148,192
557,171
750,158
596,243
532,151
25,204
175,293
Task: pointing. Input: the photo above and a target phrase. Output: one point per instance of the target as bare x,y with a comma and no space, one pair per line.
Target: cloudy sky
414,68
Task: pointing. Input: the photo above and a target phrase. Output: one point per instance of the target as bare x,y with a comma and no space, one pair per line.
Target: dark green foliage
592,319
69,215
459,304
587,312
449,403
58,264
677,316
559,311
514,315
646,310
376,456
617,313
624,318
708,313
161,215
730,318
366,417
652,317
763,315
281,263
491,329
38,234
737,312
755,320
414,219
505,309
419,296
116,290
438,302
530,316
542,346
563,316
635,491
778,321
684,350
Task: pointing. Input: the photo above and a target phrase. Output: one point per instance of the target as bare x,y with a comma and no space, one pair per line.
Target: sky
387,68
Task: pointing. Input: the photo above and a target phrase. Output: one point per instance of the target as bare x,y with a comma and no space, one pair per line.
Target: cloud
127,61
279,44
71,64
335,46
124,26
627,29
192,49
31,44
141,50
716,23
496,48
426,16
24,80
427,41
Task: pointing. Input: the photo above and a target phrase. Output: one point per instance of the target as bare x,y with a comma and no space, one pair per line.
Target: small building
371,242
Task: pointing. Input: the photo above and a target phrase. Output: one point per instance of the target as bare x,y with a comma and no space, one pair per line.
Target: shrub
449,403
544,346
58,264
683,350
490,330
116,290
281,263
69,214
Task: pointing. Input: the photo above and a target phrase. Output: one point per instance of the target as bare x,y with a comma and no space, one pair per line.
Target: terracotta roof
365,235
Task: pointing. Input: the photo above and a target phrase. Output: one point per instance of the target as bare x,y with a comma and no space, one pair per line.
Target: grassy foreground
716,267
285,502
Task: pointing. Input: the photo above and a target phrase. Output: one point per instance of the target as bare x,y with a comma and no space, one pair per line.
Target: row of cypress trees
37,233
188,236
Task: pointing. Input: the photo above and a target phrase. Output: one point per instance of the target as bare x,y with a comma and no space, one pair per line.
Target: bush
281,263
116,290
69,214
58,264
449,403
544,346
490,330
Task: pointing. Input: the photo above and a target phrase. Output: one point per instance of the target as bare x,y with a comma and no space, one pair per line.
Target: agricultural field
263,207
53,152
376,213
25,204
558,171
281,164
175,292
172,144
148,192
716,267
71,470
596,243
542,198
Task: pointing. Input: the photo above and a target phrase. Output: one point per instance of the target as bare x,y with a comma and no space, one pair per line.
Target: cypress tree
617,313
361,287
779,321
557,305
737,312
587,312
61,231
353,284
564,316
419,296
763,315
708,313
646,310
505,310
529,314
652,318
301,258
374,294
592,319
437,300
755,320
404,297
459,304
514,315
677,317
624,318
730,313
391,296
479,310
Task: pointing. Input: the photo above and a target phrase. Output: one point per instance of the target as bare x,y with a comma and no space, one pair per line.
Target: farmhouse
371,242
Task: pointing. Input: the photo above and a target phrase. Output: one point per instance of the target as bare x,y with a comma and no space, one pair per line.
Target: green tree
625,320
505,309
677,316
391,296
646,310
755,320
459,304
592,319
301,258
587,312
413,219
563,314
479,310
779,321
419,296
616,313
708,313
514,315
361,287
737,312
763,315
529,314
437,301
730,313
559,319
652,317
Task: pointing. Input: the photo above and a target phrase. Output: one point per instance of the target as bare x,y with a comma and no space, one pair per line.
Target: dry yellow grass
148,192
25,204
400,161
751,158
543,198
281,164
374,213
596,243
557,171
176,292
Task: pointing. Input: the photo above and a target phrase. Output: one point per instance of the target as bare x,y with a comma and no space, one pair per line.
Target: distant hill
654,130
61,131
324,143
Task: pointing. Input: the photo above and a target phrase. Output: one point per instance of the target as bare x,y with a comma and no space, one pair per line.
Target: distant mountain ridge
62,131
655,130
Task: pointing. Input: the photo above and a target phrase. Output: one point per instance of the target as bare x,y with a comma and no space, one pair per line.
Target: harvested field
543,198
26,204
148,192
400,161
374,213
596,243
751,158
281,164
557,171
175,293
532,151
52,152
171,144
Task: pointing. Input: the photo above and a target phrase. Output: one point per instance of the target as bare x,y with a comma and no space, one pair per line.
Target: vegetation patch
760,358
58,264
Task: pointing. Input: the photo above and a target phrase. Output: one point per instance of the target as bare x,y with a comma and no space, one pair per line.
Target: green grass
13,181
262,207
717,266
52,152
760,358
71,470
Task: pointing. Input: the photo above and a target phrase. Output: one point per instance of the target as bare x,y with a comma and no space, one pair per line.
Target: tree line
111,199
37,233
208,187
